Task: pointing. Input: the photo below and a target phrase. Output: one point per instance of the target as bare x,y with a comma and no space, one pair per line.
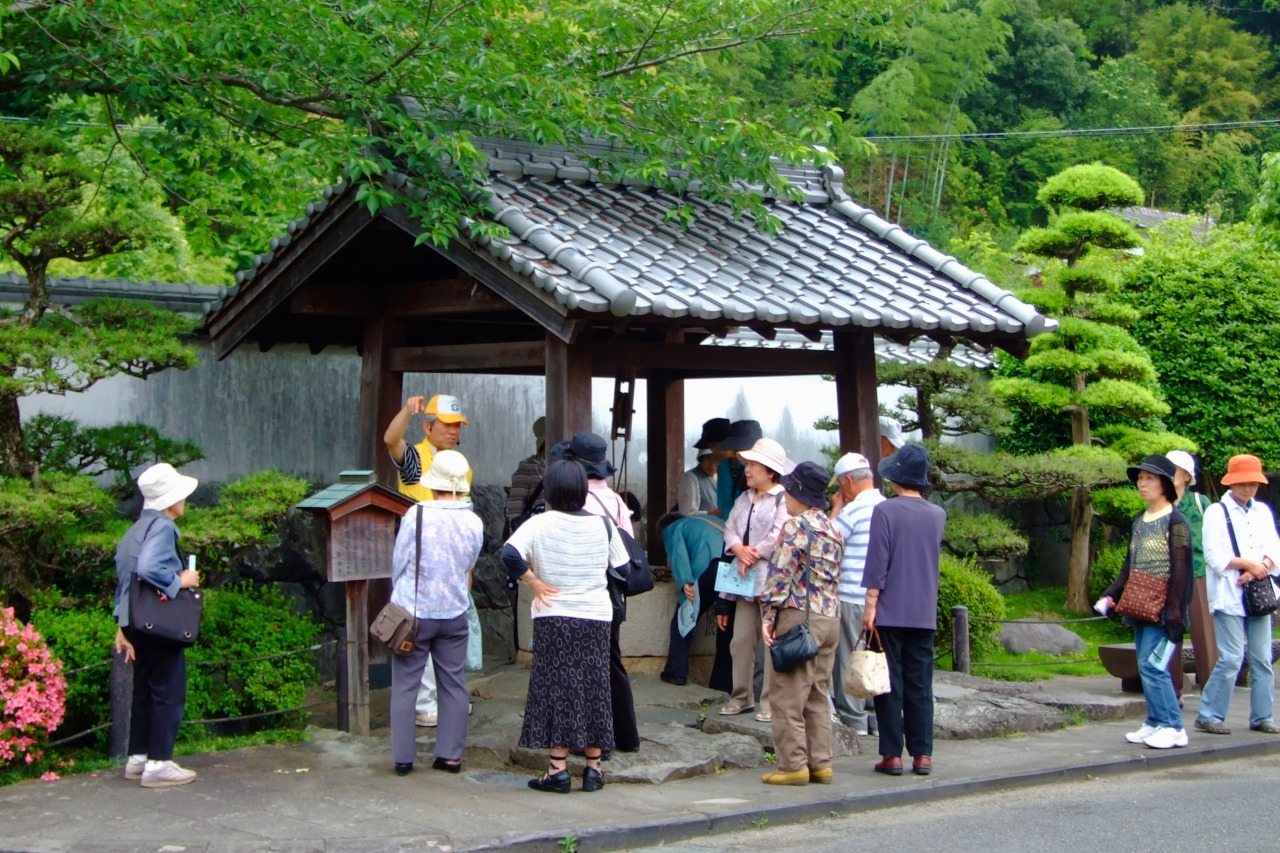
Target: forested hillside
973,106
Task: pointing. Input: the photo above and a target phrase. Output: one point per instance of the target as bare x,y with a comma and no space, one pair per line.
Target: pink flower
50,777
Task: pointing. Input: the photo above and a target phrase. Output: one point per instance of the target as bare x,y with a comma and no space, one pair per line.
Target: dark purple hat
908,467
714,431
807,483
743,435
592,451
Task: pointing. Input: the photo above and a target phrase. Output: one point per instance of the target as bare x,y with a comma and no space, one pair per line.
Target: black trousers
626,734
678,646
906,711
159,695
722,669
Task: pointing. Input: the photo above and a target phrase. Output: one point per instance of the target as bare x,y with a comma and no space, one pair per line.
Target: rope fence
206,663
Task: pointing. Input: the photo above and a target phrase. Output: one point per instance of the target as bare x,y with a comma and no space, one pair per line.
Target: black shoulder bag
155,614
1259,594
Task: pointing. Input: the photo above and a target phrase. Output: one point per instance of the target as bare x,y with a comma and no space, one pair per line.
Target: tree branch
714,48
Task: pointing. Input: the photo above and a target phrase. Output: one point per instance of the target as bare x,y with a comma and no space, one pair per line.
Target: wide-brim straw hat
770,454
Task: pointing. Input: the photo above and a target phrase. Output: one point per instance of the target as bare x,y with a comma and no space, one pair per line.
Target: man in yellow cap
442,423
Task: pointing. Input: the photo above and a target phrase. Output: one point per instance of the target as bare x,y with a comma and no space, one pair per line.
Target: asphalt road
1229,806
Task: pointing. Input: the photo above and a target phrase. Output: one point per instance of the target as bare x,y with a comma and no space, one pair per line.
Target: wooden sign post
362,519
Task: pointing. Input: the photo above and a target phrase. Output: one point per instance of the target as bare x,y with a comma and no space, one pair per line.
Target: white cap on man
847,464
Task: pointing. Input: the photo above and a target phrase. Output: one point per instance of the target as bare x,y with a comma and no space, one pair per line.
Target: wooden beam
470,358
665,402
478,263
443,297
691,361
381,388
857,404
568,370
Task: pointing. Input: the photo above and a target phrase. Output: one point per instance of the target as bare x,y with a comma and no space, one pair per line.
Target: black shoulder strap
1231,530
531,498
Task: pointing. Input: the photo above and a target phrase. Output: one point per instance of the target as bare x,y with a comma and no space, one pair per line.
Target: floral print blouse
808,539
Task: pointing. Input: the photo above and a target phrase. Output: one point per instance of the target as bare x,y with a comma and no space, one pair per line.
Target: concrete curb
684,828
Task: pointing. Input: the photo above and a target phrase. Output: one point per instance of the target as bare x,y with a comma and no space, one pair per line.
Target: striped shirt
854,524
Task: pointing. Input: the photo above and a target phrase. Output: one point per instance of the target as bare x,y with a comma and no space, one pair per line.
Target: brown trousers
798,699
746,641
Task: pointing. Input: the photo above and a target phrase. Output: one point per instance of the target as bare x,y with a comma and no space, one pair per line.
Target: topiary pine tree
1091,367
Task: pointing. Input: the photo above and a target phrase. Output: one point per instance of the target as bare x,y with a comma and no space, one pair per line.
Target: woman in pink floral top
800,587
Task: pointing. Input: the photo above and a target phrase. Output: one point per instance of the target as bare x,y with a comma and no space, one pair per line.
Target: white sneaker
430,721
134,766
1167,738
166,774
1141,734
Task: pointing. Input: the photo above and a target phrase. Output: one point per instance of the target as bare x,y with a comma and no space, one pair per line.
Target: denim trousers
1231,633
1157,687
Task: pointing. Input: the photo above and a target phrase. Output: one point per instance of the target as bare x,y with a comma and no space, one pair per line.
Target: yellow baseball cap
445,408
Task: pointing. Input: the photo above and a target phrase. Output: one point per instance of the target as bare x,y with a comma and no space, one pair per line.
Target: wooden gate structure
596,279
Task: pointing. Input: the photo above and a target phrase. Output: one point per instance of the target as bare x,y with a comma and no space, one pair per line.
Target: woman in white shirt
750,535
1240,545
562,555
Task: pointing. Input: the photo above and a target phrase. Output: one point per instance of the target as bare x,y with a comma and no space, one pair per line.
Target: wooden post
857,403
121,705
357,658
960,639
568,370
380,395
344,691
665,402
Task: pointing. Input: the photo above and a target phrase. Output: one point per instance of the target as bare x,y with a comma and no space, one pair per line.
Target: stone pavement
338,793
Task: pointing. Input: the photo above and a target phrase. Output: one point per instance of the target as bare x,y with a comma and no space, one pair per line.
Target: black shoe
556,783
447,767
404,769
671,679
592,780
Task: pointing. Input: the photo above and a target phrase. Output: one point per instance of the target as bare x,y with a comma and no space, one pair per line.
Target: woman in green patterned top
1160,545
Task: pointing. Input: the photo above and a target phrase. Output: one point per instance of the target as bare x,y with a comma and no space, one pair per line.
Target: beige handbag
867,674
394,626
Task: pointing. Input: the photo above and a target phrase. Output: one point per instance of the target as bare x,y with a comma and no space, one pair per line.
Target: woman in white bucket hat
751,532
150,549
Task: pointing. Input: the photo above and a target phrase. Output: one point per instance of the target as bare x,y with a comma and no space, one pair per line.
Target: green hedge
962,582
1106,568
79,637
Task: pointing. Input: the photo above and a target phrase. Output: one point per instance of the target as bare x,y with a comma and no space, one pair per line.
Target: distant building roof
918,351
195,299
1150,217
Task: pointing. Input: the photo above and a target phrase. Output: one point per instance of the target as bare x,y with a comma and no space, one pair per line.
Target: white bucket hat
162,486
448,473
1183,460
770,454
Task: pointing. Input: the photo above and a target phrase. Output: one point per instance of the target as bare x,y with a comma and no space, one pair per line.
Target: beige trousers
743,647
798,699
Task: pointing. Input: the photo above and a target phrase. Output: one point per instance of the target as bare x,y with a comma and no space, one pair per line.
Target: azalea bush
32,691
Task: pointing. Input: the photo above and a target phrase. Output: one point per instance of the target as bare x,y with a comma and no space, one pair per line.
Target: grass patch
1048,605
92,760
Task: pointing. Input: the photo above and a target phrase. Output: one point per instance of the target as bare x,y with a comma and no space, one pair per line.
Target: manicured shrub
962,582
242,623
1117,506
32,691
79,637
1106,568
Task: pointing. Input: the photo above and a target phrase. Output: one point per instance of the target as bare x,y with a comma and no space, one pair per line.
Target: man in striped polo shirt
851,511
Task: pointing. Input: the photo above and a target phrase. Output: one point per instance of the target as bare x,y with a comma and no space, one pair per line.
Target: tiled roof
918,351
1151,217
597,246
197,299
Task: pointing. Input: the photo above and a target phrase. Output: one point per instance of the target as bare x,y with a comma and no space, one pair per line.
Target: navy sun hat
592,451
713,431
1157,464
807,483
743,435
908,467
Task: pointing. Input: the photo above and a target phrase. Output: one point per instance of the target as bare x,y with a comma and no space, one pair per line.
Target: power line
1146,130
